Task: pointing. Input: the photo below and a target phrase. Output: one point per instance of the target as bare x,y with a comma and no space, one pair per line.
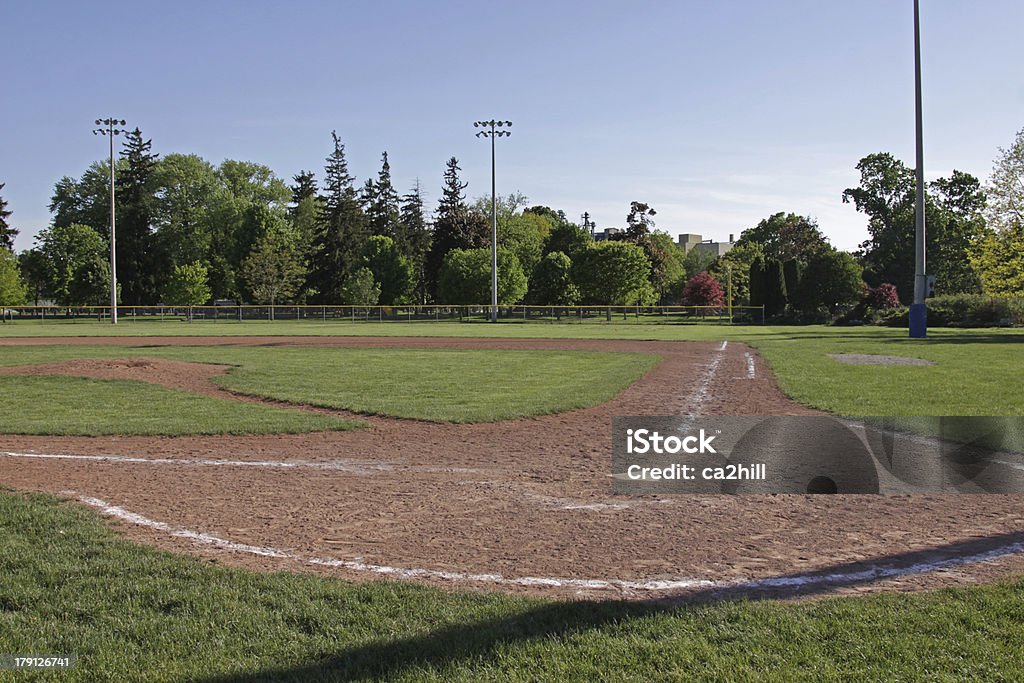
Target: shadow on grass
481,640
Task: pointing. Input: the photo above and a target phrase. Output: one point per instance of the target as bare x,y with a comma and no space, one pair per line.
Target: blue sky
715,113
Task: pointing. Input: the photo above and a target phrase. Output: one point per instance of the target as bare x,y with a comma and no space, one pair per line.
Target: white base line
751,370
651,585
295,464
334,466
695,403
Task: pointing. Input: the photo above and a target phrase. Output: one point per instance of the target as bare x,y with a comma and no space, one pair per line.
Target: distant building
606,234
690,241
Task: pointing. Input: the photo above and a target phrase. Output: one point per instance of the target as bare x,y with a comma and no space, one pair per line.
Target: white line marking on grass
876,572
751,369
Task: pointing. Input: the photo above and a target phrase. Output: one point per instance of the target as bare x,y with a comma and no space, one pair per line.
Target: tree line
189,232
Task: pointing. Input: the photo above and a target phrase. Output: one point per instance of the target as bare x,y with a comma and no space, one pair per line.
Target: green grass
440,385
89,407
618,329
425,384
977,372
70,586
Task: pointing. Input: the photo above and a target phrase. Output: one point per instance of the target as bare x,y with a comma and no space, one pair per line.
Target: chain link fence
468,313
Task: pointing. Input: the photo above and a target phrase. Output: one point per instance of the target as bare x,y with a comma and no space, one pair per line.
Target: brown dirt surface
173,374
507,505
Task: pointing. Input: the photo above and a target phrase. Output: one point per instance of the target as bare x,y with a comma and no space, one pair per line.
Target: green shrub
958,310
974,310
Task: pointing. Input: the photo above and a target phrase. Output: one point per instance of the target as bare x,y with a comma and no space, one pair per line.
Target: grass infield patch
71,586
90,407
438,384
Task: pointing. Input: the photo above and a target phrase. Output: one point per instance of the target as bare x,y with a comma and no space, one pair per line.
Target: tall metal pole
918,310
494,239
110,132
113,235
491,132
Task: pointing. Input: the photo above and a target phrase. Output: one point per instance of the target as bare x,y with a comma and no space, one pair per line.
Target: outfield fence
466,313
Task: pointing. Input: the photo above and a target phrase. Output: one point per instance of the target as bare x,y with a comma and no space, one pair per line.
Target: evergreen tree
383,215
455,226
7,233
339,243
305,213
139,266
418,239
775,293
304,188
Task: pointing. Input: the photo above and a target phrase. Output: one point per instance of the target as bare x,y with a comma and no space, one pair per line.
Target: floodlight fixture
492,133
110,131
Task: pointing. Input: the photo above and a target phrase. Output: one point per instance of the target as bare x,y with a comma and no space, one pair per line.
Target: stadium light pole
110,132
918,310
490,130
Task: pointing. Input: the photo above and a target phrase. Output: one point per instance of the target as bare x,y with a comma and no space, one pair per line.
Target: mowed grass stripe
135,613
76,406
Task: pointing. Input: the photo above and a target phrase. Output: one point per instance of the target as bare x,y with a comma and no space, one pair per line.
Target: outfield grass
75,406
977,372
427,384
618,329
70,586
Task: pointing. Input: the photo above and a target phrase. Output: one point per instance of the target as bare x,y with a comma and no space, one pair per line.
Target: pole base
918,321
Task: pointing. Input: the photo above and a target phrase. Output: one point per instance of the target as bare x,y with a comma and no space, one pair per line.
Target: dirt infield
522,505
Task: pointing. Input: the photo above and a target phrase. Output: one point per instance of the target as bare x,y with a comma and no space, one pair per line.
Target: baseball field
432,501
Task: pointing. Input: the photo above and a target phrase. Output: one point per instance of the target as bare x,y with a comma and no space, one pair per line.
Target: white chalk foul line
695,403
203,462
334,465
870,573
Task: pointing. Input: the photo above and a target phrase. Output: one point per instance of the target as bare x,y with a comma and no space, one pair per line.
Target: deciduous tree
1005,188
274,270
785,237
552,283
703,290
360,289
390,269
12,288
77,270
614,273
187,286
465,277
